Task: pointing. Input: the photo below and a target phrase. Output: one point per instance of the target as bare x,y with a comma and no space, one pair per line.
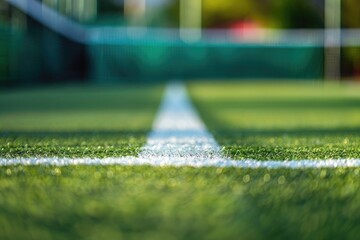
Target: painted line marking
184,162
179,139
178,131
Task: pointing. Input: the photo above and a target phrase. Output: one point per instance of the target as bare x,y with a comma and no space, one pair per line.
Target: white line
184,162
178,131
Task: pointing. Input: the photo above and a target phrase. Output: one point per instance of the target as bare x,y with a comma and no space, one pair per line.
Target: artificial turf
77,121
142,202
114,202
282,121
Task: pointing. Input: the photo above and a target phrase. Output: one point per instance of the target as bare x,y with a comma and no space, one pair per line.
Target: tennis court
129,132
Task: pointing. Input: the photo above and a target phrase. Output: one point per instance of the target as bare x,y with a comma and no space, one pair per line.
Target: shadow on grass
115,98
74,134
54,106
301,132
310,103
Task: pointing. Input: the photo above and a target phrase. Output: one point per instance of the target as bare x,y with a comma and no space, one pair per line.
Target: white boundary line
178,131
185,162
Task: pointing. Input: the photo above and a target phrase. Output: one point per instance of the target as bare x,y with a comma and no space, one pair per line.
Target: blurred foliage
105,6
296,14
351,19
351,14
218,13
352,60
4,18
280,13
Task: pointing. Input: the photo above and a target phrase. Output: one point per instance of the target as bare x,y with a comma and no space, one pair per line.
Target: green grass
282,121
291,121
76,121
113,202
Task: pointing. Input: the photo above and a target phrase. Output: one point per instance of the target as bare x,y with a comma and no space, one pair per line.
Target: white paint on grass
184,162
179,138
178,131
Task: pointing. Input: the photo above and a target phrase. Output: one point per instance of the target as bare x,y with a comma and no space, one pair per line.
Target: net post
190,20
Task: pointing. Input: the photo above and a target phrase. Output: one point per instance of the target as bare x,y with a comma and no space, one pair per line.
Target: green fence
40,55
5,40
156,60
55,48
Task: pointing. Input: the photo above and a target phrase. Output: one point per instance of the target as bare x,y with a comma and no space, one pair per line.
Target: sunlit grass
77,121
282,120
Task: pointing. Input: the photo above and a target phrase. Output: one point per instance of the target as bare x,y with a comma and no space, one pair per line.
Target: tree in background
296,14
107,6
351,19
268,13
223,13
350,14
216,13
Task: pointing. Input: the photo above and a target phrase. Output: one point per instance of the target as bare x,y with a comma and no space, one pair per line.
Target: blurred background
107,41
